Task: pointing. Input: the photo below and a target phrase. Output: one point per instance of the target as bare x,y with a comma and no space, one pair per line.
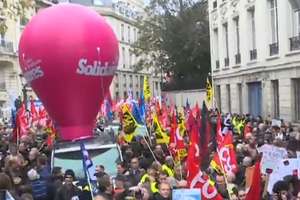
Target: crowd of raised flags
31,120
194,141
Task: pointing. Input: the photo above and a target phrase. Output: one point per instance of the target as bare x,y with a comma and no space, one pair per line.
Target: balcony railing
217,64
273,49
6,46
238,58
226,61
295,43
253,54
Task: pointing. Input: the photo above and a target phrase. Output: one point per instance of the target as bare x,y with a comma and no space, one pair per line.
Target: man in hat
68,191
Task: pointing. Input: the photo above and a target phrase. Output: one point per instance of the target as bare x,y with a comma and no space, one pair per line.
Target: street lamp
24,89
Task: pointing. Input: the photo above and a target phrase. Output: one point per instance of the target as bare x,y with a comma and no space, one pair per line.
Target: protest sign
272,155
284,168
186,194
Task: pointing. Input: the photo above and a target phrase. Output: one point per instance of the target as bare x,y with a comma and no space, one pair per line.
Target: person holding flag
209,92
147,91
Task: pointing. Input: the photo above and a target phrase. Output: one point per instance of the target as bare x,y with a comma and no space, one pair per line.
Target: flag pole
150,148
89,183
86,171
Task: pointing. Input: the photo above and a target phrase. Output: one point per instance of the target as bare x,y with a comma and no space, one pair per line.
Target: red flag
177,145
254,192
34,113
205,136
193,159
195,177
173,128
22,123
43,116
227,155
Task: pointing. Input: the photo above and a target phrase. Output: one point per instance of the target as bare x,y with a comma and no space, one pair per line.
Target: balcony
295,43
238,58
6,47
217,64
273,49
253,54
226,61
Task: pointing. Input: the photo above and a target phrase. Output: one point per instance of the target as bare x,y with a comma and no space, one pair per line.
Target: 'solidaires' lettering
97,69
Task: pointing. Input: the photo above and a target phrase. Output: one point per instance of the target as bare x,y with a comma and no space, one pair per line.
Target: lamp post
24,89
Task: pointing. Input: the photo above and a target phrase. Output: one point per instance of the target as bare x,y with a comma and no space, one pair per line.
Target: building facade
14,14
122,16
255,56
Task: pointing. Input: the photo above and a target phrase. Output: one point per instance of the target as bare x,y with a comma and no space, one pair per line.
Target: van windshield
108,157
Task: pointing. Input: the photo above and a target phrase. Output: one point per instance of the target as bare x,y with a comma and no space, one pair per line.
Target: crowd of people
148,171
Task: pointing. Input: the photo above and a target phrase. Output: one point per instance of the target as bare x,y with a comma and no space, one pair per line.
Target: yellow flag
147,91
181,124
161,135
209,93
129,124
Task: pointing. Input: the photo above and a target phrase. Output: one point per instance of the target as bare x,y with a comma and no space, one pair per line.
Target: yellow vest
169,170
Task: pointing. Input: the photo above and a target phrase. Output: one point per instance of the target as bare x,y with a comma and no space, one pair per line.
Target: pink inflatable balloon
68,53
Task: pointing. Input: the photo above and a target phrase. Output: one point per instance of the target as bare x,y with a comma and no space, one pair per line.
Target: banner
186,194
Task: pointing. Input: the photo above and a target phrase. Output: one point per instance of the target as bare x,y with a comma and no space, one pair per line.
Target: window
134,35
237,41
124,80
130,59
228,97
137,95
296,23
117,95
252,45
122,32
216,48
123,57
215,4
136,81
156,86
295,39
274,27
131,81
240,96
125,95
273,20
141,81
275,93
297,99
128,34
225,28
237,34
253,30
